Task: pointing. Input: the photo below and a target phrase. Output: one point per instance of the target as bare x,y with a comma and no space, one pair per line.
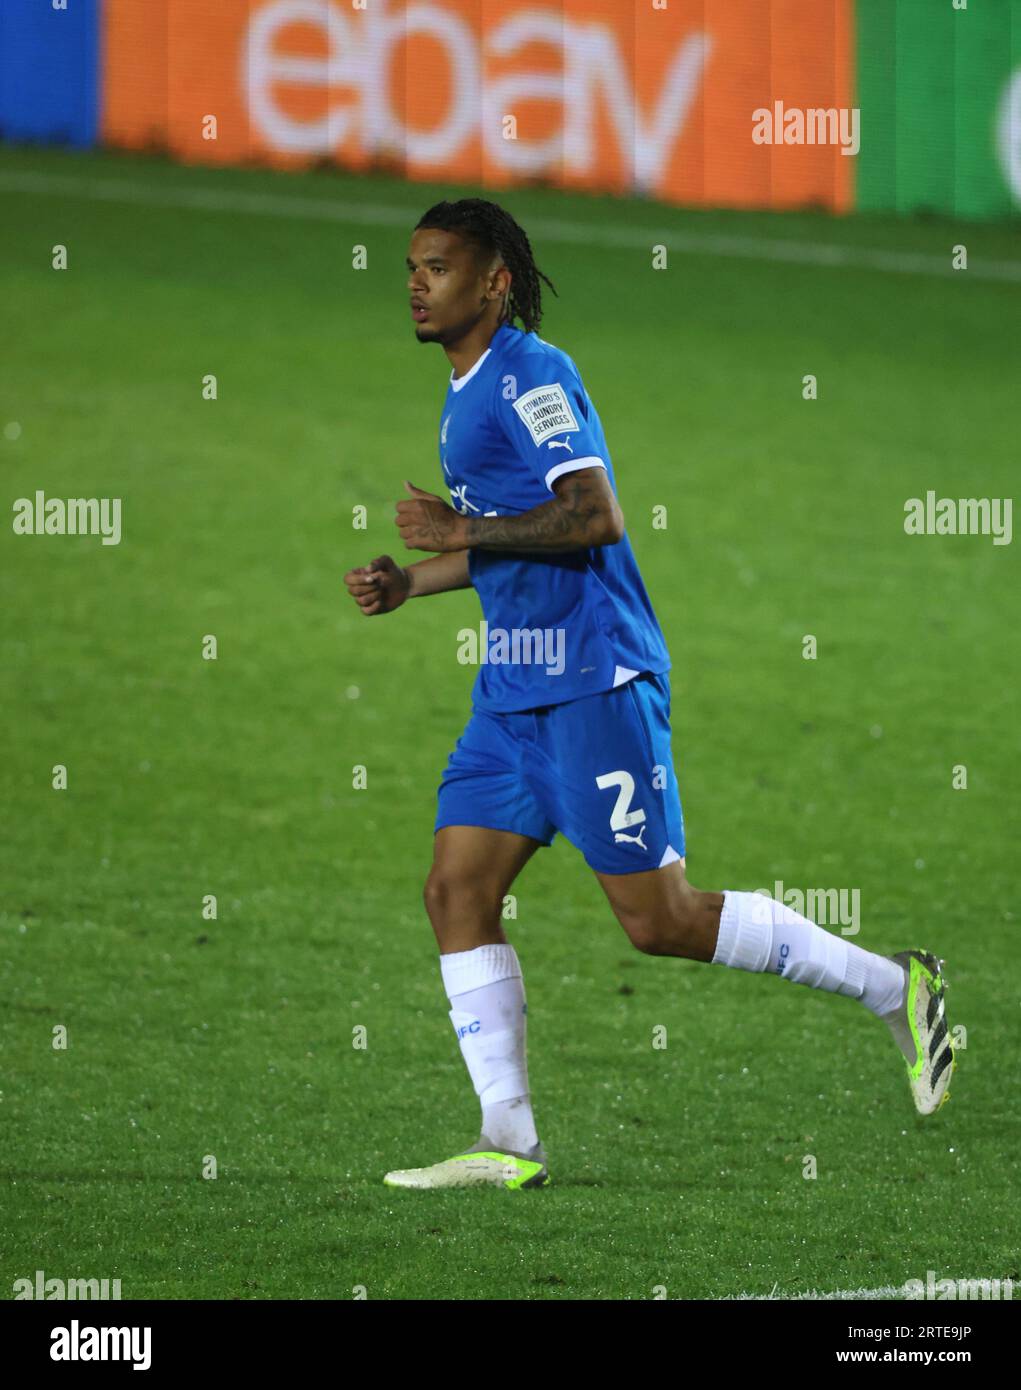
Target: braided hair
492,230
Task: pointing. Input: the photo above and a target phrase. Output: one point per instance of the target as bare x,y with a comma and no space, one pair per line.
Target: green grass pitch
677,1168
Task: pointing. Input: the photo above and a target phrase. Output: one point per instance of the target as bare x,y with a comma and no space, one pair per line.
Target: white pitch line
552,229
839,1296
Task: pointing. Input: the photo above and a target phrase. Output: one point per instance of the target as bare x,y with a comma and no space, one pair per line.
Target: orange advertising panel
740,103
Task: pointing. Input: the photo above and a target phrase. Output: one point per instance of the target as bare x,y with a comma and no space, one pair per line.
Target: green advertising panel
939,89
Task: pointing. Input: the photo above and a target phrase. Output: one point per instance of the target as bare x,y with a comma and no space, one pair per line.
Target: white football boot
921,1031
482,1165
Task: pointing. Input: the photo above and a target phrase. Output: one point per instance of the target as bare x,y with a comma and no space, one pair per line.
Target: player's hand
426,522
378,587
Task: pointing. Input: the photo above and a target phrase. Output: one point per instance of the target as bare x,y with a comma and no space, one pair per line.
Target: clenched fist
428,523
378,587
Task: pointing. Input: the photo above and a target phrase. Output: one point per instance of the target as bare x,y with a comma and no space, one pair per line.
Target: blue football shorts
598,769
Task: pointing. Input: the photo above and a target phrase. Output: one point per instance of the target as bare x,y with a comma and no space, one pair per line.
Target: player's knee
436,894
645,938
643,931
449,895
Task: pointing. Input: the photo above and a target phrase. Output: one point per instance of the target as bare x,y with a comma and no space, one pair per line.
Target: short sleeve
549,427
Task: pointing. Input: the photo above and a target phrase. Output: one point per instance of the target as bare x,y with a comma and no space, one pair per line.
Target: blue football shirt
557,626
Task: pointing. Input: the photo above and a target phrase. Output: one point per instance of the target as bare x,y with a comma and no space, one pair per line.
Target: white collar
457,382
463,381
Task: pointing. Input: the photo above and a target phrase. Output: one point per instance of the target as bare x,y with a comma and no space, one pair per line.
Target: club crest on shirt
459,499
546,411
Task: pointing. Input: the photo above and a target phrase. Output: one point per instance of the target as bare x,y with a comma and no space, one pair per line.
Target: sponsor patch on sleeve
546,411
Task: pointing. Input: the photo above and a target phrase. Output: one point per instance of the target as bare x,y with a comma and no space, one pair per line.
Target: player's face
449,290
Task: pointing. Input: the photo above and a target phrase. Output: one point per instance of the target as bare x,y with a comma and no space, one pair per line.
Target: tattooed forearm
584,513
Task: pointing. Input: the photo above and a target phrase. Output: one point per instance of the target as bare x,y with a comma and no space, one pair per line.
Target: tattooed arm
583,513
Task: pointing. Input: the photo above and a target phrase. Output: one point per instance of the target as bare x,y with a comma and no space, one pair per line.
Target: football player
570,722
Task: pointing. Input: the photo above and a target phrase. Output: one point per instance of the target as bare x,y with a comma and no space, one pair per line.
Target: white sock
487,1008
759,933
